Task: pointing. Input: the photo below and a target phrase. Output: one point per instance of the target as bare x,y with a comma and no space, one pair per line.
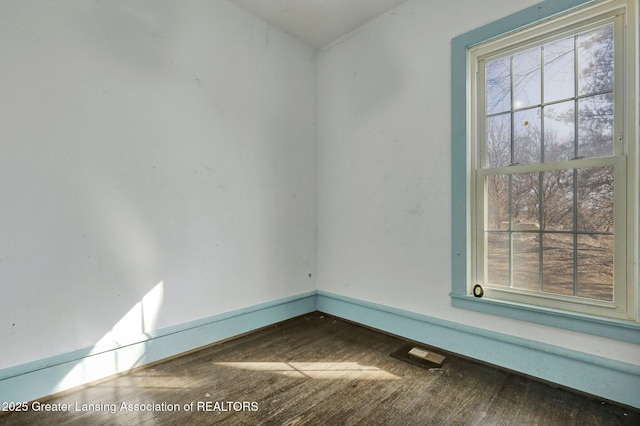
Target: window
551,163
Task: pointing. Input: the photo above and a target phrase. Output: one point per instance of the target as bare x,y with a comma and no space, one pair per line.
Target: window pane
526,136
595,199
524,205
498,258
595,61
595,267
595,126
557,261
498,149
526,261
559,132
497,202
526,78
498,86
557,198
559,70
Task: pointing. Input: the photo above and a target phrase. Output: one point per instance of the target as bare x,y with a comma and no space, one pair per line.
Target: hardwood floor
319,370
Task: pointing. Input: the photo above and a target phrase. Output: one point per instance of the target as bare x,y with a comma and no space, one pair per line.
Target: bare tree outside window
551,230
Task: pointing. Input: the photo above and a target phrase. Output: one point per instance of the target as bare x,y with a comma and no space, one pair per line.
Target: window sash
623,294
615,308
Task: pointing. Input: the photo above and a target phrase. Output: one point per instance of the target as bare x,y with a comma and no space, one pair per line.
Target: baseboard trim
597,376
38,379
601,377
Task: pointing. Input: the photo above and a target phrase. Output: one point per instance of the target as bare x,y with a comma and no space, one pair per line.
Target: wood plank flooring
319,370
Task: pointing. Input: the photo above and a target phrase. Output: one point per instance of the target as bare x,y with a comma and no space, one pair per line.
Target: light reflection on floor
316,370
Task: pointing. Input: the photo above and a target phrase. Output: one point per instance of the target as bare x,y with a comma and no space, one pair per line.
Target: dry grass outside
594,265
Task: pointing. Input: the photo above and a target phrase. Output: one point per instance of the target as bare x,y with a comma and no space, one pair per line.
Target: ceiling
317,22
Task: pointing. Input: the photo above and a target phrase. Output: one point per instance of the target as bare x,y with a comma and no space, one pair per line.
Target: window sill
627,331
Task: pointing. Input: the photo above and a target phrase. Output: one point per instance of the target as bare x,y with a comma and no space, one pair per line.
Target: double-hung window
552,163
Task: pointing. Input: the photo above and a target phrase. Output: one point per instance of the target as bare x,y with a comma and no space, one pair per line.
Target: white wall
158,148
384,168
158,165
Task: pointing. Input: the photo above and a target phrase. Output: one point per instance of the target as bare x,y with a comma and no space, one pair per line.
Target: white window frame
623,14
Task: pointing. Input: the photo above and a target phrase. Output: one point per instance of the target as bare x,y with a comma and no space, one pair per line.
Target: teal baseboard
39,379
600,377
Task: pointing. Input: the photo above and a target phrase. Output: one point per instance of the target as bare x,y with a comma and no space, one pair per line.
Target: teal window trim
460,298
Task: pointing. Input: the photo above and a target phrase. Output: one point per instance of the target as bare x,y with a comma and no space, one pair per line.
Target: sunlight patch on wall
140,320
112,354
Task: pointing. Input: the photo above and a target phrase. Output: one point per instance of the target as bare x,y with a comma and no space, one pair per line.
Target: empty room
319,212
